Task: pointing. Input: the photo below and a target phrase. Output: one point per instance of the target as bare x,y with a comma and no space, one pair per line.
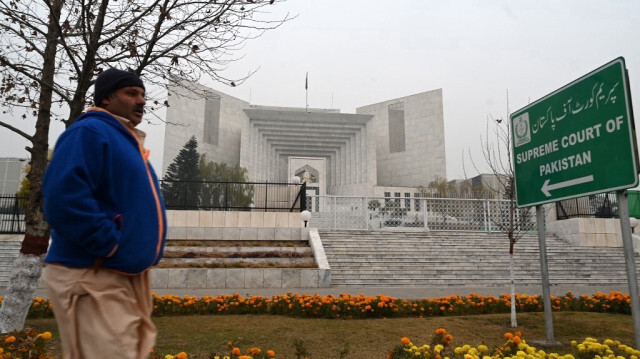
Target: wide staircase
438,259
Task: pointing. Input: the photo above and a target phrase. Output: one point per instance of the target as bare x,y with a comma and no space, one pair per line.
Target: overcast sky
360,52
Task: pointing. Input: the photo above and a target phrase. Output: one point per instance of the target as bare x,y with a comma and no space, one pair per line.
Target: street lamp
633,223
305,216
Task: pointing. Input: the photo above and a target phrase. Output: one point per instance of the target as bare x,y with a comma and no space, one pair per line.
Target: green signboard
576,141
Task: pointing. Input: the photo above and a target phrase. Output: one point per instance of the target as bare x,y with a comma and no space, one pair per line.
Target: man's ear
106,100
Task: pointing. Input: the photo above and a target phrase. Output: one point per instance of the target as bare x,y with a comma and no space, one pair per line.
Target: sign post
577,141
630,262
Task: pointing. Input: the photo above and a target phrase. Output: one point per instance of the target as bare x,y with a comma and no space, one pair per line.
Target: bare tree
514,223
51,51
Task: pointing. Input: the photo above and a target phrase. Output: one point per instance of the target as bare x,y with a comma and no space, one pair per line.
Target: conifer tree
181,183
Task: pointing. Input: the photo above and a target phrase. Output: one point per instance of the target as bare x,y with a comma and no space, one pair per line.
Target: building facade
11,174
392,144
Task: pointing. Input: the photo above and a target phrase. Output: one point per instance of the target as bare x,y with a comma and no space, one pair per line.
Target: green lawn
200,336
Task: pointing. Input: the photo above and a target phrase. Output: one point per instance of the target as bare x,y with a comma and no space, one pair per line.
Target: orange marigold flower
235,351
405,341
518,334
448,338
181,355
10,339
516,340
441,331
244,357
47,336
508,336
271,354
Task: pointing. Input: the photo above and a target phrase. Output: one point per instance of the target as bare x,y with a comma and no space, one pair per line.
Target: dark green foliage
218,192
181,183
193,182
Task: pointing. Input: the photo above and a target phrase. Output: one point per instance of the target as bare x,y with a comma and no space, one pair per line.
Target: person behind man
107,218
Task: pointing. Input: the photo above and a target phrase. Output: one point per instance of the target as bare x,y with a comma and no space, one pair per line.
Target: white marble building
391,146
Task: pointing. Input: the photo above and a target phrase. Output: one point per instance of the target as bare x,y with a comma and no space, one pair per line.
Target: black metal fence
602,205
236,196
12,211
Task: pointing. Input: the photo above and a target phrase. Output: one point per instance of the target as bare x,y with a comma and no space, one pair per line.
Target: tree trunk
512,280
27,268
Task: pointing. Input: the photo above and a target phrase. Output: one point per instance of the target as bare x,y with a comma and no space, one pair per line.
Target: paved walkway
396,292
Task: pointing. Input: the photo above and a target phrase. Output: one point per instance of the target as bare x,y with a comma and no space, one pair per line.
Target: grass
200,336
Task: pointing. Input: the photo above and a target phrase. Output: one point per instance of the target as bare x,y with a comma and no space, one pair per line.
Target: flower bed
24,344
28,344
514,347
360,306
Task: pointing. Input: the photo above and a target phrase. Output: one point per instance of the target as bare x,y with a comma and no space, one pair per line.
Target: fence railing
12,211
374,213
236,196
601,205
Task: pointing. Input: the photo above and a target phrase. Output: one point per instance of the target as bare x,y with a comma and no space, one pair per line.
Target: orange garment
100,313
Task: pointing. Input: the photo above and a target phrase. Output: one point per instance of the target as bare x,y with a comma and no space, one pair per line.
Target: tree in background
193,182
496,151
181,183
442,188
50,53
227,189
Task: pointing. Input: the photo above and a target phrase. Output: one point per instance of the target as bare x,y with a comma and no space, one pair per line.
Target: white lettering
566,163
581,136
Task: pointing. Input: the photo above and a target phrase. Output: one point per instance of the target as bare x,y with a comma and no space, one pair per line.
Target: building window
397,196
211,130
417,204
396,127
387,195
407,201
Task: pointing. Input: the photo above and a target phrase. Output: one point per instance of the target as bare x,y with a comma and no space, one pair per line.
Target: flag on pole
306,82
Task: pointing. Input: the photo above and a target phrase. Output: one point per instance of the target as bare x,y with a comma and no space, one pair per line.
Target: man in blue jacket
107,217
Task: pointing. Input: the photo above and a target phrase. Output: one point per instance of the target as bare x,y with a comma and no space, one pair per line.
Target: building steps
443,258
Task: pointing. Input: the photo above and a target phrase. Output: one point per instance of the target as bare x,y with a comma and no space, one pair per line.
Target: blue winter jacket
102,199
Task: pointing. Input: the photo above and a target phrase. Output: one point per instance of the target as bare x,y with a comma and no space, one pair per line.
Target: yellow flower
608,342
169,356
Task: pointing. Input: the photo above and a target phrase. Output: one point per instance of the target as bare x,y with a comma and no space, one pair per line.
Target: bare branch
16,130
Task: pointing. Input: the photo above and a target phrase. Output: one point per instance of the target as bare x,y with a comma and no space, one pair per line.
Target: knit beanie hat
112,80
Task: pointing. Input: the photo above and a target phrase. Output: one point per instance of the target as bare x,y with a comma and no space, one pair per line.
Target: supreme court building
387,148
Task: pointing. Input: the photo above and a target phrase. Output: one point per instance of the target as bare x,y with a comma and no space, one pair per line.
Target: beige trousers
101,314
